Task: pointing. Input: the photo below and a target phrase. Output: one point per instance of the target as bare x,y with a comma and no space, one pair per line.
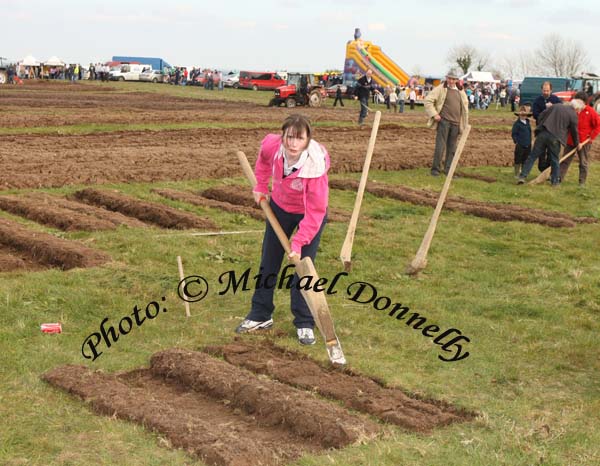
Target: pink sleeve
264,162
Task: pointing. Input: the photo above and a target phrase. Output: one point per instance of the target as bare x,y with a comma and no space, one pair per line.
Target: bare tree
467,57
561,57
520,65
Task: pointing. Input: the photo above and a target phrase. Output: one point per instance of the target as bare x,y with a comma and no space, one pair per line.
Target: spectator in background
588,127
448,110
362,91
338,96
402,99
412,97
393,99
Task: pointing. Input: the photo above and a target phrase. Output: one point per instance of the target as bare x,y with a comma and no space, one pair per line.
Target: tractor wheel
290,102
315,99
254,87
236,85
121,78
3,77
154,80
597,104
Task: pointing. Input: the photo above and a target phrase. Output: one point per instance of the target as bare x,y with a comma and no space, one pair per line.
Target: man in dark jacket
553,125
362,92
546,100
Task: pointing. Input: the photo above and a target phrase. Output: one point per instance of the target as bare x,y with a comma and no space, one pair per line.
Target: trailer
155,62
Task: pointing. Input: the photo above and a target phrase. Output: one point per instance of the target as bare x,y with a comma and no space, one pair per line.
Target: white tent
54,61
30,60
480,77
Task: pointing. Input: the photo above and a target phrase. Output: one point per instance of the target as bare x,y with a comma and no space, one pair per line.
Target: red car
264,81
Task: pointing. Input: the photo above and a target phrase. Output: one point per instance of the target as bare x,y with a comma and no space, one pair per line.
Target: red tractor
299,90
588,82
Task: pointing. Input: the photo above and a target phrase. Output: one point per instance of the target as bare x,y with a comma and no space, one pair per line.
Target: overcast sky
294,35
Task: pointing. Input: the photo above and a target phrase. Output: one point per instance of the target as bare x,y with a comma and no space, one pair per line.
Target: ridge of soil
149,212
271,402
490,210
242,196
355,391
199,200
47,250
224,414
62,214
476,176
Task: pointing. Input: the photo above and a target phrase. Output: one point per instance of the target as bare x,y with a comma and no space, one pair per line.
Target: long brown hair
297,124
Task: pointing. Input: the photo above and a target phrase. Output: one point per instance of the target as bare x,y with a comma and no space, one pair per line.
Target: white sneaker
306,336
252,325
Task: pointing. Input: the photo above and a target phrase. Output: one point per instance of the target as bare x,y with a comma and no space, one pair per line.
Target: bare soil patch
149,212
219,412
53,160
490,210
64,214
45,250
355,391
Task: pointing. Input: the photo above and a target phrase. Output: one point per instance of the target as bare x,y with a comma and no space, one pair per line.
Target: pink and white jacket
305,191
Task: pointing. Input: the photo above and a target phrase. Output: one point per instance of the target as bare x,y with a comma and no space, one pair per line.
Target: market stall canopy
30,60
480,77
54,61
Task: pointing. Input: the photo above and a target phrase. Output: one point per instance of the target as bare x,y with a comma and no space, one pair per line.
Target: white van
128,72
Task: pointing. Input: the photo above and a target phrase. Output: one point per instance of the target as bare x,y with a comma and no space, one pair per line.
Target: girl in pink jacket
297,167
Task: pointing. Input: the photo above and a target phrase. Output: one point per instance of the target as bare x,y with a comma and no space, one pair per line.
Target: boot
517,170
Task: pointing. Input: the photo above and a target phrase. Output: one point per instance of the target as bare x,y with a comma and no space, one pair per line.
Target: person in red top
297,167
588,127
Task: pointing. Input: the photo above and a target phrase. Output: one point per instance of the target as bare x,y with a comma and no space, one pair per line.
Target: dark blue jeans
364,108
445,142
270,263
544,141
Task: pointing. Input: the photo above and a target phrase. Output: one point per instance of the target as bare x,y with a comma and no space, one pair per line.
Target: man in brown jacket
447,107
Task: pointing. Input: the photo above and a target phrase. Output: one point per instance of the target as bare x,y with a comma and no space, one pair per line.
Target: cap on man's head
452,73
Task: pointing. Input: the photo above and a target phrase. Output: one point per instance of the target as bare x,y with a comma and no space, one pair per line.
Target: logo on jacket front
296,184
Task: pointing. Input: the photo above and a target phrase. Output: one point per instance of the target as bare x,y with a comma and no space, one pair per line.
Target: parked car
231,80
155,76
128,72
264,81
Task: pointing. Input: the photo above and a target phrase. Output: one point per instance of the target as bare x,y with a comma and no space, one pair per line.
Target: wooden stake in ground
420,260
346,252
181,277
546,173
317,304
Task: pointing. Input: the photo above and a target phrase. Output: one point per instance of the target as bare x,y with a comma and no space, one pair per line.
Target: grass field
526,295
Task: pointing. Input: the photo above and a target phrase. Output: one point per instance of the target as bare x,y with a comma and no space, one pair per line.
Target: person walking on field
362,92
338,96
448,110
588,127
551,132
521,136
297,167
